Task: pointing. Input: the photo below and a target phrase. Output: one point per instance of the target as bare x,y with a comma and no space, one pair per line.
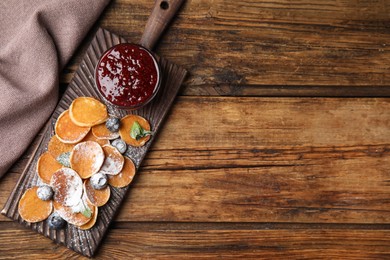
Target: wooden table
278,145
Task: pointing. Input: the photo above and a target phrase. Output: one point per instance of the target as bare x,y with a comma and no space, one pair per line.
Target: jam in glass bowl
128,76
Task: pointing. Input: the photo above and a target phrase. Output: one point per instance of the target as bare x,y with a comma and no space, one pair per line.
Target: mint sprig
137,131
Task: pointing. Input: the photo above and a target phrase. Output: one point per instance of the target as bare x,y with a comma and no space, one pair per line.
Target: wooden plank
331,191
285,91
213,122
176,241
267,160
249,44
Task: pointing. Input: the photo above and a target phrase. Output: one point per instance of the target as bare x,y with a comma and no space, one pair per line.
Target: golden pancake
125,177
67,131
46,166
92,221
96,197
113,161
72,217
67,186
91,137
125,128
101,132
87,111
56,147
32,209
87,158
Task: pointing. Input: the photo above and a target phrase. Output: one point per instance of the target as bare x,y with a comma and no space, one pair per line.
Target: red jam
127,75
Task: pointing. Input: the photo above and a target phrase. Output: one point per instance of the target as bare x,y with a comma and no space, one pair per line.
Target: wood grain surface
278,146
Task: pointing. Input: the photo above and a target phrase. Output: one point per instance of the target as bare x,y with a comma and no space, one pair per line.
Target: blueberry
113,124
120,145
99,181
55,221
45,192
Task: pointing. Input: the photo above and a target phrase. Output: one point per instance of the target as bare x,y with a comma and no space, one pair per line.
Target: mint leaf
87,212
138,132
64,159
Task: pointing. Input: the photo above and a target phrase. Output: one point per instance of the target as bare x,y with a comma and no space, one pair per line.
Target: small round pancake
96,197
87,158
32,209
126,125
67,186
125,177
77,219
101,132
67,131
46,166
91,137
87,111
92,221
113,162
56,147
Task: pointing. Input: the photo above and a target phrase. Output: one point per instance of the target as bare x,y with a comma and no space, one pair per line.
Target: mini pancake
46,166
67,186
91,137
32,209
113,162
92,221
126,125
67,213
56,147
67,131
101,132
87,111
96,197
125,177
87,158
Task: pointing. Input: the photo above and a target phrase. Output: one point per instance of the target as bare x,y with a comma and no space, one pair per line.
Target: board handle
162,13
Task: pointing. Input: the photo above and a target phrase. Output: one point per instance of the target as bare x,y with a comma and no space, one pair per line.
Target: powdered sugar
82,206
110,166
67,186
87,158
113,163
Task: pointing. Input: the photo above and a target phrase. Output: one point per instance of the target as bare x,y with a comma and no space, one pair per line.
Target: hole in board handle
164,5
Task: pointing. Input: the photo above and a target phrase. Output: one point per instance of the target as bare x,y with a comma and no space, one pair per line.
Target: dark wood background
278,145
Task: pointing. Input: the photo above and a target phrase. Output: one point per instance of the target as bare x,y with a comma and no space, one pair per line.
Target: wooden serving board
86,242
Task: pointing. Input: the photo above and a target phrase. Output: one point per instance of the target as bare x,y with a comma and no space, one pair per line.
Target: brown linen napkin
37,38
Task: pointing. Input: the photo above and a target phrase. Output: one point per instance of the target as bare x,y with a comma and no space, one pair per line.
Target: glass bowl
127,76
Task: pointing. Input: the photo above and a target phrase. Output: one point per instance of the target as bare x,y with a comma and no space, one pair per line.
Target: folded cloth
37,38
